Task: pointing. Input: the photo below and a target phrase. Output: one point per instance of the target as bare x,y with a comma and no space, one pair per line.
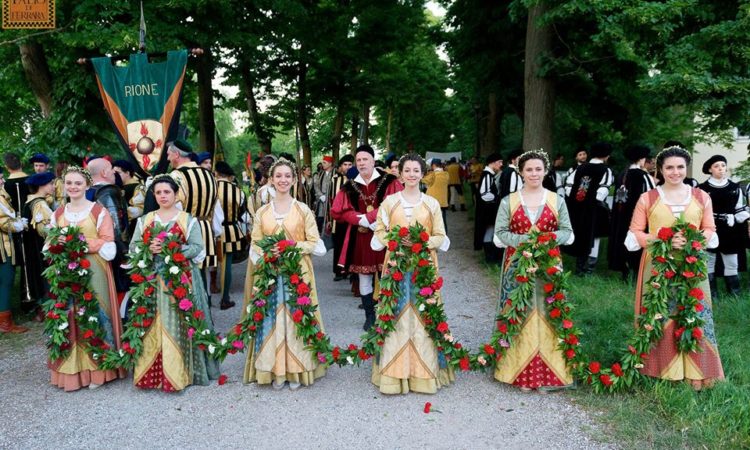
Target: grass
662,414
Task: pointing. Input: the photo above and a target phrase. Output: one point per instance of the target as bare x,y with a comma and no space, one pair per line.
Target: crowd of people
348,206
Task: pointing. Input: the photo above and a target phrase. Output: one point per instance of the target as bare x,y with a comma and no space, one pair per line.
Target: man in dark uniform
730,213
40,162
37,212
133,192
106,193
197,196
586,193
488,200
630,184
509,180
16,187
357,205
234,204
337,230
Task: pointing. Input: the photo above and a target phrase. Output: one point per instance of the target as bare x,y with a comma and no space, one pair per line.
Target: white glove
363,222
730,220
134,211
322,198
18,226
148,182
24,220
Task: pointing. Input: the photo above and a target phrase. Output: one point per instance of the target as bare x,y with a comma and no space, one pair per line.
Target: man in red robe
357,205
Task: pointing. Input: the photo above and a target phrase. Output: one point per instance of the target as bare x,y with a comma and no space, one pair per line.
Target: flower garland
539,256
408,253
281,257
69,279
177,277
675,276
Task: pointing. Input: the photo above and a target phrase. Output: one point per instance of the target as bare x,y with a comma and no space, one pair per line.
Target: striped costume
198,196
233,203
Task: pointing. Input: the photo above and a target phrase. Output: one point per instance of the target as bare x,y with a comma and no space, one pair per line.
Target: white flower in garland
167,259
421,307
223,342
93,319
141,264
63,326
137,250
211,348
349,360
205,332
81,311
121,352
174,270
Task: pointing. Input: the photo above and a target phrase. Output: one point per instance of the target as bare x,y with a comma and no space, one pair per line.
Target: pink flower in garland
190,332
238,345
185,304
303,301
425,291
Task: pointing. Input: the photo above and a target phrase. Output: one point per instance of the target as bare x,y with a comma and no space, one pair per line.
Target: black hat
346,158
365,148
39,158
636,152
513,154
493,157
352,173
601,150
710,162
223,168
202,156
126,166
40,179
436,161
182,145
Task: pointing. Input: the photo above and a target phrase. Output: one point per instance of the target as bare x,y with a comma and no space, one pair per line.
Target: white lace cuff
108,251
631,243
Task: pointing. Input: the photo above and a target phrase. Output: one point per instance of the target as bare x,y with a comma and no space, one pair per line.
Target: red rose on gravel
617,369
392,245
403,232
698,307
336,353
222,379
297,316
363,355
665,233
442,327
594,367
427,407
697,333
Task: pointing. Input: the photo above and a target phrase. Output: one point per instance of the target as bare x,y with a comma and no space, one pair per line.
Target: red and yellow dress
653,212
534,360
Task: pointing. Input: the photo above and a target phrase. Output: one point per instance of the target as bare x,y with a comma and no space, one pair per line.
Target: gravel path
342,410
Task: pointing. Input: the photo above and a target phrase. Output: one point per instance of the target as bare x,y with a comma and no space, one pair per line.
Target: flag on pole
143,101
142,32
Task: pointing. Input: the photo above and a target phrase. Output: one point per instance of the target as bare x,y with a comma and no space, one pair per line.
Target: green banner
143,101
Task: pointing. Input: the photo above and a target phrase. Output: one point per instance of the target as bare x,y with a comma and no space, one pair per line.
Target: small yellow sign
28,14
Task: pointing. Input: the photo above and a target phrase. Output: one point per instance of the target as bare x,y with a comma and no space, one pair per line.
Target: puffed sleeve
564,228
312,243
104,244
195,249
382,225
502,226
637,237
40,219
438,239
256,236
708,226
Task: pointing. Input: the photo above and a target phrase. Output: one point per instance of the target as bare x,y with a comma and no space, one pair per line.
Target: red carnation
141,310
594,367
362,353
180,292
665,233
398,276
617,369
424,236
490,350
548,287
570,353
222,379
669,274
137,278
173,245
294,278
696,293
416,248
336,353
88,296
442,327
688,274
179,257
696,245
403,232
198,314
303,289
691,259
463,363
352,347
605,379
559,296
522,279
572,339
68,238
502,327
678,332
392,245
544,237
552,270
423,263
59,305
297,316
85,263
56,249
554,252
53,315
567,324
698,307
555,313
149,290
661,259
427,407
258,316
75,287
697,333
88,334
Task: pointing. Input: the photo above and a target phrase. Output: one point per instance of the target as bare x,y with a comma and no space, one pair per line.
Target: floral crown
673,150
79,170
165,177
283,162
534,154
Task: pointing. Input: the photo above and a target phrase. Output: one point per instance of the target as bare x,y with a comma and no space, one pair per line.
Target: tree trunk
204,69
261,133
355,131
37,73
304,136
490,136
389,123
539,92
338,128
